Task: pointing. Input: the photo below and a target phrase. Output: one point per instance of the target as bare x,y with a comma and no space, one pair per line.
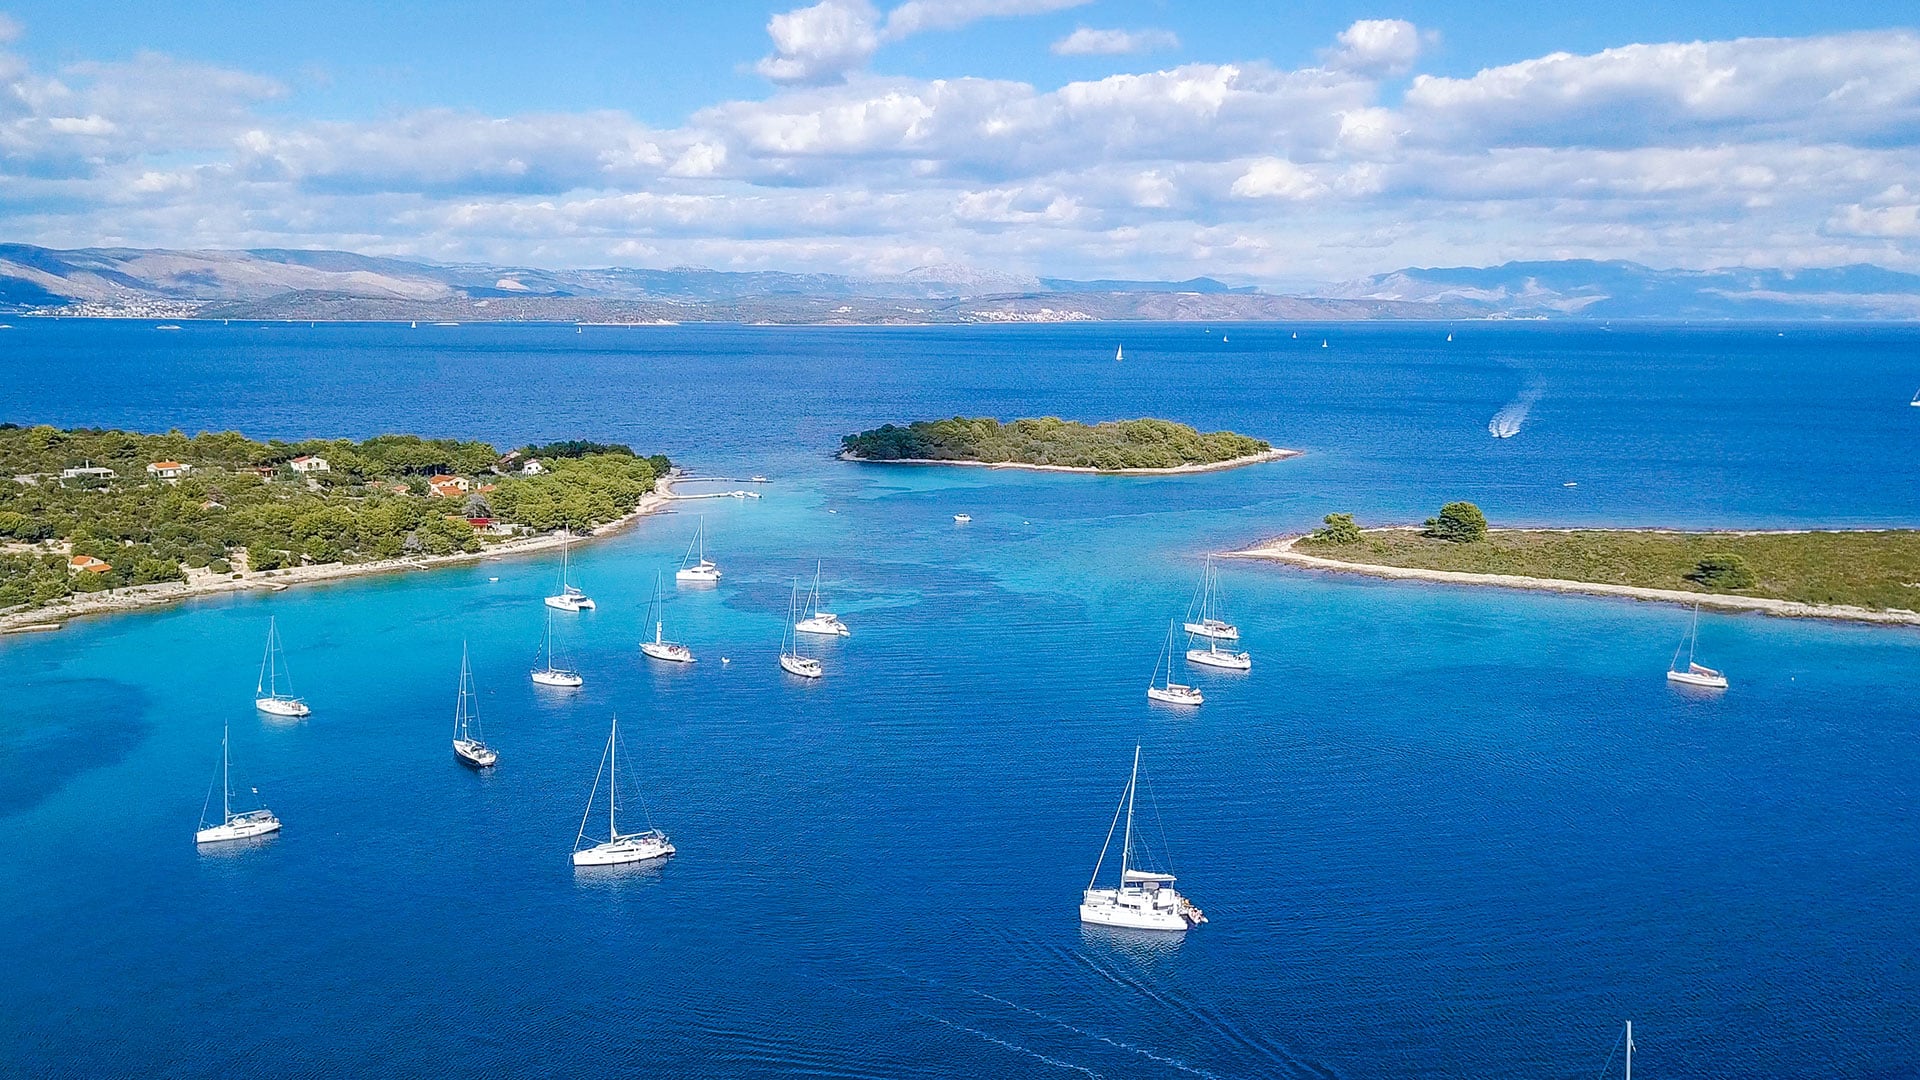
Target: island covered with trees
93,510
1048,442
1868,570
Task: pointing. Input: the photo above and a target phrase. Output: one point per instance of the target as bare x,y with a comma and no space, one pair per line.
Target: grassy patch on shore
1876,570
1049,440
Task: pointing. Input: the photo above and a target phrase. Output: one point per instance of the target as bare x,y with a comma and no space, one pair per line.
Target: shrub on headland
1723,572
1458,523
1339,529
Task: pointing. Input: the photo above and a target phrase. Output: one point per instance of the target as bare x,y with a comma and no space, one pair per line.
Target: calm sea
1439,832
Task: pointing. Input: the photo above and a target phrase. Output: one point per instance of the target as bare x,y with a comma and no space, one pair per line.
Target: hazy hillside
288,284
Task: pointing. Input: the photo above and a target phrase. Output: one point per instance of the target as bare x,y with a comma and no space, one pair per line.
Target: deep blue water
1439,832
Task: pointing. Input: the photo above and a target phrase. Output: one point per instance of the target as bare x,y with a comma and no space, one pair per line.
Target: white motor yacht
1143,899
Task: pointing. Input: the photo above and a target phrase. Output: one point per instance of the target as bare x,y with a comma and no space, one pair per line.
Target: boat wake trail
1506,423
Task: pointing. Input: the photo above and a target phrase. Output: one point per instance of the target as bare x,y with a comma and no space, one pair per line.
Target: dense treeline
1116,444
242,506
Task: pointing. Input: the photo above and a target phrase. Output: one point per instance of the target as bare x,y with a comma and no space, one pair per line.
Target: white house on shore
309,463
532,467
87,471
168,470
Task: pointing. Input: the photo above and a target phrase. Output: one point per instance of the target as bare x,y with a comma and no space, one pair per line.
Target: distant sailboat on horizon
1916,399
1119,353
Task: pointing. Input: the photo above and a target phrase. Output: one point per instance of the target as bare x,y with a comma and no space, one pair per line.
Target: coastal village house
87,564
448,487
309,463
87,471
532,468
168,470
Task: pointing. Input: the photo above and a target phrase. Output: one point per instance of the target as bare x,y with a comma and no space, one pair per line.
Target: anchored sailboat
1144,899
570,597
660,648
815,621
550,675
268,697
241,826
1119,353
791,658
697,569
468,746
1170,692
1694,674
1208,601
618,847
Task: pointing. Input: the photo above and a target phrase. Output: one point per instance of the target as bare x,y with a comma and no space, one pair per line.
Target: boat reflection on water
1138,945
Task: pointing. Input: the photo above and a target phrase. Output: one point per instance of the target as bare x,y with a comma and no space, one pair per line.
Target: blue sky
1269,142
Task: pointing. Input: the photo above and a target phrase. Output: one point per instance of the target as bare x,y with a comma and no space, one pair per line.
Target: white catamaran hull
1136,910
667,650
570,603
823,624
1175,695
626,849
1214,628
1215,659
704,574
241,827
557,678
805,667
1710,681
282,706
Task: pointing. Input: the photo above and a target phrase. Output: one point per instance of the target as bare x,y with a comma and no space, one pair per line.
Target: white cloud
10,29
1086,41
1277,178
820,44
1377,46
915,16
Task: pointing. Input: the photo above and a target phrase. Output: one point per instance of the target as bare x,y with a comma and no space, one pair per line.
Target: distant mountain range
288,284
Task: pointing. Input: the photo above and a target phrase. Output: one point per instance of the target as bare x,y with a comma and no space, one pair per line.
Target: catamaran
1694,674
468,746
1208,601
570,597
697,569
551,675
268,697
618,847
1143,900
1170,692
815,621
241,826
660,648
791,657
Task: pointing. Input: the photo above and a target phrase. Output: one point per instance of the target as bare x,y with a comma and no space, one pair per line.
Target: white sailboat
468,745
241,826
660,648
570,597
1694,674
268,697
618,848
791,658
1143,899
550,675
815,621
1916,399
1170,692
1449,336
1119,353
1208,601
697,568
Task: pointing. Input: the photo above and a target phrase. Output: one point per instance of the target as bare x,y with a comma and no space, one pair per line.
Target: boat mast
1693,636
613,777
265,662
226,785
1629,1050
1126,845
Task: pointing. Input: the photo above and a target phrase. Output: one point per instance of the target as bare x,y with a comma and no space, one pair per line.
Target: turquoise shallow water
1439,832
